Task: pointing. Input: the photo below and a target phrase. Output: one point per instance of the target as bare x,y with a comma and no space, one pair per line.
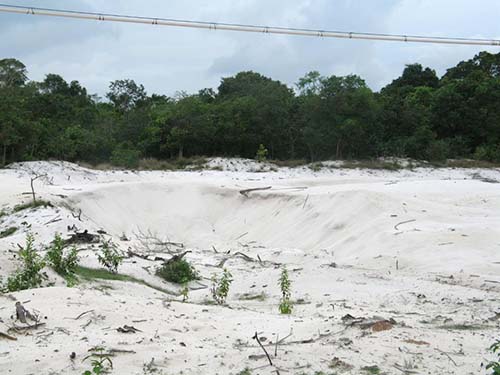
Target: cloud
166,59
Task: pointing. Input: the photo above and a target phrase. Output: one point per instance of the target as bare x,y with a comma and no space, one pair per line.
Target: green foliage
100,361
494,366
220,286
28,275
285,285
185,293
8,232
64,265
125,156
178,271
110,257
371,370
261,153
417,115
32,204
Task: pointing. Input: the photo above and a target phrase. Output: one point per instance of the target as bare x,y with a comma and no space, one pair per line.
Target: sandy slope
335,230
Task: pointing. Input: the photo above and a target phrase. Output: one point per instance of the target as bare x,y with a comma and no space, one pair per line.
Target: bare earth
394,269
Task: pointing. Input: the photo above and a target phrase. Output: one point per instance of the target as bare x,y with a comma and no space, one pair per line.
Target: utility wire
242,27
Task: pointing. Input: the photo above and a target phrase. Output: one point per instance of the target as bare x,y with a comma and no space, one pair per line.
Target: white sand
448,254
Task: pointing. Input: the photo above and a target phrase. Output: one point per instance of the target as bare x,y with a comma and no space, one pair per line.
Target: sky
167,60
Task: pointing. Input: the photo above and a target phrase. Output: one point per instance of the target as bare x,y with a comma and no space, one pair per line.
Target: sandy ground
417,249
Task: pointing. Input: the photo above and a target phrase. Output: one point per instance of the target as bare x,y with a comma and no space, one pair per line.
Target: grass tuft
8,232
90,274
38,203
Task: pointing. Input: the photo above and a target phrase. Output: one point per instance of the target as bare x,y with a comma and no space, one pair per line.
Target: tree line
417,115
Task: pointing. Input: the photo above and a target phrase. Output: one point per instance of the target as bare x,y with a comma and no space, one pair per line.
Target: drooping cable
242,27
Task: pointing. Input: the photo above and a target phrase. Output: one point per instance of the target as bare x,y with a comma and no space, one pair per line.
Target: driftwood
246,191
22,313
131,254
128,329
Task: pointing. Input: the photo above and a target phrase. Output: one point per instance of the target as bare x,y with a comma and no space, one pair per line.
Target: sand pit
391,270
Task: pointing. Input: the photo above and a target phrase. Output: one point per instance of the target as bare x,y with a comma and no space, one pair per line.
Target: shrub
261,153
495,365
178,271
220,287
285,284
125,156
99,360
28,276
64,265
185,292
110,257
437,150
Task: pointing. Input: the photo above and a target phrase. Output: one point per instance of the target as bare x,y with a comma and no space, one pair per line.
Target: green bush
220,287
487,153
179,271
64,265
285,284
125,156
28,275
110,257
261,153
495,365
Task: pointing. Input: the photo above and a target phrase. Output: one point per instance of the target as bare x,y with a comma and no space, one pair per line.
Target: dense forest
418,115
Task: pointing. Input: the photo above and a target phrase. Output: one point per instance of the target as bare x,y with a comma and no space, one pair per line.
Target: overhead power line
242,28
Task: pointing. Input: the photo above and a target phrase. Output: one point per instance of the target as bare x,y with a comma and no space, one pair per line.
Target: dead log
246,191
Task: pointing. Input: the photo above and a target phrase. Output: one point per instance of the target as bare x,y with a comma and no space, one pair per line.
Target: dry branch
403,222
246,191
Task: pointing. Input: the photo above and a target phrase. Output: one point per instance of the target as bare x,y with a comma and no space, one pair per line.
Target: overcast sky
166,60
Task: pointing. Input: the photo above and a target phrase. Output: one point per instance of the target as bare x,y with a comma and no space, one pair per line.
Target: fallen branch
25,328
305,202
53,221
446,354
256,337
246,191
404,222
8,337
131,253
83,313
